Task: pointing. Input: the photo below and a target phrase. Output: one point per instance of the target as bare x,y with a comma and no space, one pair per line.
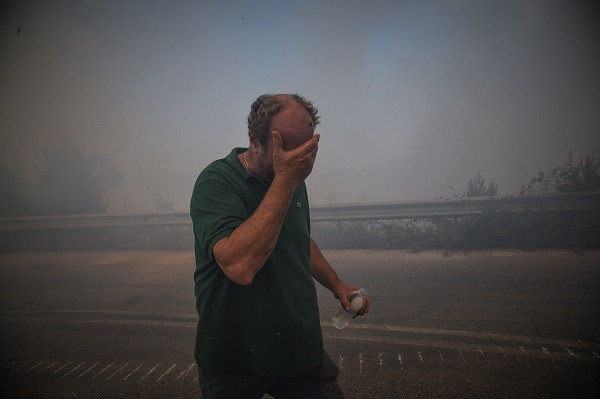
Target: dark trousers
318,382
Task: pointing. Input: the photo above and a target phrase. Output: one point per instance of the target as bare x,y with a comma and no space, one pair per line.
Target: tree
162,203
476,187
73,181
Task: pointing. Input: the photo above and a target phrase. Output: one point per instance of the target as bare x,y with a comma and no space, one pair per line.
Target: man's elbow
239,269
239,273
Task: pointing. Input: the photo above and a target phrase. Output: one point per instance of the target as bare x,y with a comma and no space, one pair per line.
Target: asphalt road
493,324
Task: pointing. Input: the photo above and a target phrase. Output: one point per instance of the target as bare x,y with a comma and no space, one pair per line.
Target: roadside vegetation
490,229
70,180
493,228
59,186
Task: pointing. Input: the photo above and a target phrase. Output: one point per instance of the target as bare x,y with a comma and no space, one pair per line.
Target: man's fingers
313,143
366,308
345,303
277,140
310,144
309,148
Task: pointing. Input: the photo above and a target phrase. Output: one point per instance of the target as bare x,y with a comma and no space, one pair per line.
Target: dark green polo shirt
272,325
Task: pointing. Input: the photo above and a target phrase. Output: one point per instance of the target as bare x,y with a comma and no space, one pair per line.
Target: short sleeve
217,210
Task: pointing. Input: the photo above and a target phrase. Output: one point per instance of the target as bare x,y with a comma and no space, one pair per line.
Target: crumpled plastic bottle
357,301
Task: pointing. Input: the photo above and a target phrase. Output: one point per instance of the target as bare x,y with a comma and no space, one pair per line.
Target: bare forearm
245,251
322,271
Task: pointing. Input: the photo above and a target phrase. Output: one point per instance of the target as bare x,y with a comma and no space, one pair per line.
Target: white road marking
420,357
88,370
81,364
595,354
381,361
341,362
360,362
570,353
20,367
149,371
192,365
460,333
400,358
398,339
5,367
486,359
136,369
545,350
62,367
442,357
102,371
31,368
189,321
121,368
166,372
523,350
504,354
47,367
192,323
461,355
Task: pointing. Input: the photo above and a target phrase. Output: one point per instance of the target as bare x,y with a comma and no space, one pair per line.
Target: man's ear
254,143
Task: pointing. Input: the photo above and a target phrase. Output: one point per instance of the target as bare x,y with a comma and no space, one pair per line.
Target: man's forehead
295,125
293,112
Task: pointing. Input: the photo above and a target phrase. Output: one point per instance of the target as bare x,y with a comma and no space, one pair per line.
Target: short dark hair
266,106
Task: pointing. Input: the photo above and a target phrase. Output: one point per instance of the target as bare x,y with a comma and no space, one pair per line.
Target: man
259,327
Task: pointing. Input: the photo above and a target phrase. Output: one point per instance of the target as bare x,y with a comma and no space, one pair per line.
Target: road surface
492,324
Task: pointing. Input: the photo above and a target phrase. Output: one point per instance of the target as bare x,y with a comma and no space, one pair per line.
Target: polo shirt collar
233,161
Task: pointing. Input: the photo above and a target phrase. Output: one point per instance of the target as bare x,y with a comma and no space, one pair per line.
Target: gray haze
414,95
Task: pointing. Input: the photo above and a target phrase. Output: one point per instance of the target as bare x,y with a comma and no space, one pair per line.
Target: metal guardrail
456,207
581,201
96,220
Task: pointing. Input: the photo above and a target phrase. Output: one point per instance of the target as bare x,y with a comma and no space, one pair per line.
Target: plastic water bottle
357,301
